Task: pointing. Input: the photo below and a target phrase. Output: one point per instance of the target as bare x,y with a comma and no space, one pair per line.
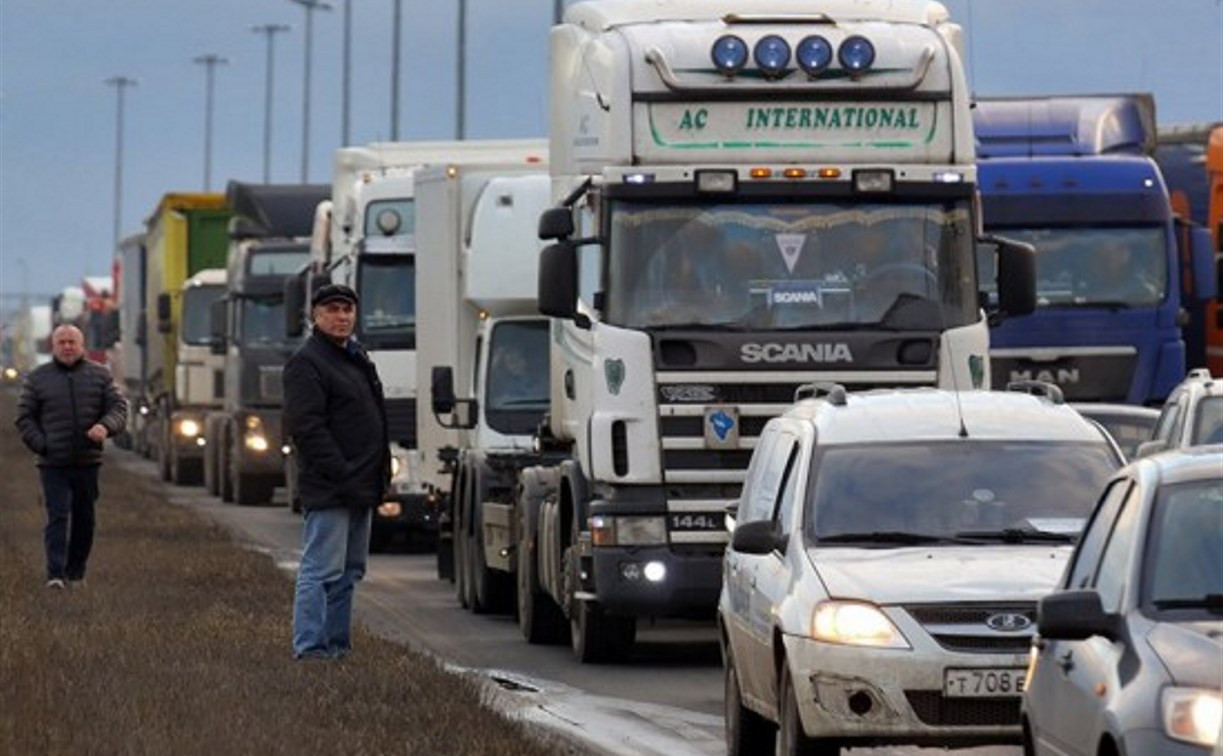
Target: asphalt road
666,700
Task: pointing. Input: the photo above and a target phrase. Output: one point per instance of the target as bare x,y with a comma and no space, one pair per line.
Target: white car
888,553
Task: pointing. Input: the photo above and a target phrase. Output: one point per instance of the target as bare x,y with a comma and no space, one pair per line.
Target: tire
792,740
225,481
462,587
598,637
163,454
747,733
247,489
185,472
492,591
539,618
211,484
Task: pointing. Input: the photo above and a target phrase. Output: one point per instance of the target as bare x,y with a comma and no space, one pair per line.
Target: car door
767,579
1087,669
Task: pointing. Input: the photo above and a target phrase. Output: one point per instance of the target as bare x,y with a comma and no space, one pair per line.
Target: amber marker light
795,173
829,173
761,173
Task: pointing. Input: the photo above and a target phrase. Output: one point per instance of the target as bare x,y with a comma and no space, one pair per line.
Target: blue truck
1075,177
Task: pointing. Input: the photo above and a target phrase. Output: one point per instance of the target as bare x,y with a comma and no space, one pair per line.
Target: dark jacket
59,404
335,416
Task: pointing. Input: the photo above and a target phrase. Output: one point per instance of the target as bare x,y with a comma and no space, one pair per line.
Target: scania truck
186,243
721,169
269,240
1116,281
365,237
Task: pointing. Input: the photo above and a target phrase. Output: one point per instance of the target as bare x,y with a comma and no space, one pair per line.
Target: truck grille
1082,377
270,386
401,421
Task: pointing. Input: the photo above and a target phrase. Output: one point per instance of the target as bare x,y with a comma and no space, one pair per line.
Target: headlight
856,54
729,54
772,54
395,466
1192,715
813,54
256,442
189,428
855,624
10,373
627,531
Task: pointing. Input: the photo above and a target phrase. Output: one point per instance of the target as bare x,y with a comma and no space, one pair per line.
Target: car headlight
256,442
1192,715
189,428
855,624
627,531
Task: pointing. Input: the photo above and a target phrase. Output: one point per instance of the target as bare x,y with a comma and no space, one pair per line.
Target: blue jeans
69,494
335,547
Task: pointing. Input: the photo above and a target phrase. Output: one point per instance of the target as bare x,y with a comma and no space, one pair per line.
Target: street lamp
310,6
460,109
347,73
210,62
269,31
395,37
120,83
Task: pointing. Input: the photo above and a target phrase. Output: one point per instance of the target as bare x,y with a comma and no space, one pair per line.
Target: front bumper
689,587
896,696
405,512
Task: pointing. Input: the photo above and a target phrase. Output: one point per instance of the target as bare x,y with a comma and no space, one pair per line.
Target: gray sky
58,118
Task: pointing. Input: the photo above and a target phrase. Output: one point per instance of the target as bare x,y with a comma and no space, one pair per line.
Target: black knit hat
331,292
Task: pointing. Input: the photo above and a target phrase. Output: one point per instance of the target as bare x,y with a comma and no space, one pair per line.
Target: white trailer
721,168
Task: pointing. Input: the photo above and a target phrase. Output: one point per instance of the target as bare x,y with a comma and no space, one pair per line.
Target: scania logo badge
1008,622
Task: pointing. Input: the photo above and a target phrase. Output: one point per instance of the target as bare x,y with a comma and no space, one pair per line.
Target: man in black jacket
335,416
68,407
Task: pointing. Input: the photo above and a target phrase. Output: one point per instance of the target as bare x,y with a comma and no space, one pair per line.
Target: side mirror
1016,277
556,223
558,283
163,312
758,537
1207,271
111,326
295,305
442,390
217,325
1147,448
1074,615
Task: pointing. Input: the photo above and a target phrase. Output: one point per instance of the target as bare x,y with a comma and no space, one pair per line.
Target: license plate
983,683
697,521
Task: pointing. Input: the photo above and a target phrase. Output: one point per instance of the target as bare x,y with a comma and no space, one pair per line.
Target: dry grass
179,644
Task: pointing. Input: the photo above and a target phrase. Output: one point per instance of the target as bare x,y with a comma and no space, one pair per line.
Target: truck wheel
185,472
491,590
539,618
163,453
210,458
462,588
225,481
598,637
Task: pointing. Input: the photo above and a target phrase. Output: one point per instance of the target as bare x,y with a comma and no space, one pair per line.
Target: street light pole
210,62
311,6
345,104
269,31
396,28
120,83
558,10
460,105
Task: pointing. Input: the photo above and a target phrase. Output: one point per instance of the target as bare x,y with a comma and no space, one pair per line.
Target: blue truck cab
1074,177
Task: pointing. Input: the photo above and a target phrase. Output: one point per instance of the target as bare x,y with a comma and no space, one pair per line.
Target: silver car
1192,415
1129,659
888,552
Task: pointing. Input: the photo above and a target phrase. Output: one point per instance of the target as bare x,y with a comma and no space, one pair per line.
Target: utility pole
269,31
347,87
311,6
558,10
210,61
396,30
460,109
120,83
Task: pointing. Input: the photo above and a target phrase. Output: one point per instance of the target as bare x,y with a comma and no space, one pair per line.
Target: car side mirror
757,537
1075,615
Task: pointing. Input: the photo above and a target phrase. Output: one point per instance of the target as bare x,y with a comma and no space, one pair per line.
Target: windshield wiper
1211,601
890,536
1018,535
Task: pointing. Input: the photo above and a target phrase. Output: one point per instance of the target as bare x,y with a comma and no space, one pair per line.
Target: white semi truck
365,237
723,170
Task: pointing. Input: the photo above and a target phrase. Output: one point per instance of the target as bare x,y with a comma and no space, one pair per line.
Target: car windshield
1208,425
983,491
786,265
1086,267
1183,564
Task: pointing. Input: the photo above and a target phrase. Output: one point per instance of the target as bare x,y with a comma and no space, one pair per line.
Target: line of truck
581,337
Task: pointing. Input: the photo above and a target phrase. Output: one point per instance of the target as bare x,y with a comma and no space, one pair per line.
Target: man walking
68,407
334,414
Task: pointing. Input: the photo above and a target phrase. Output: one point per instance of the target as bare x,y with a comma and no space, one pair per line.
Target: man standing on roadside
335,416
67,408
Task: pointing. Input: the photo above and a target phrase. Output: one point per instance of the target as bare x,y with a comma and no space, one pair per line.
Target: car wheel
1029,747
792,740
747,733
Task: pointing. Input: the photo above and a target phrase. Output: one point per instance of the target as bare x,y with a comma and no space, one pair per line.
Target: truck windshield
280,262
196,327
788,265
1086,267
387,289
517,392
261,322
955,489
